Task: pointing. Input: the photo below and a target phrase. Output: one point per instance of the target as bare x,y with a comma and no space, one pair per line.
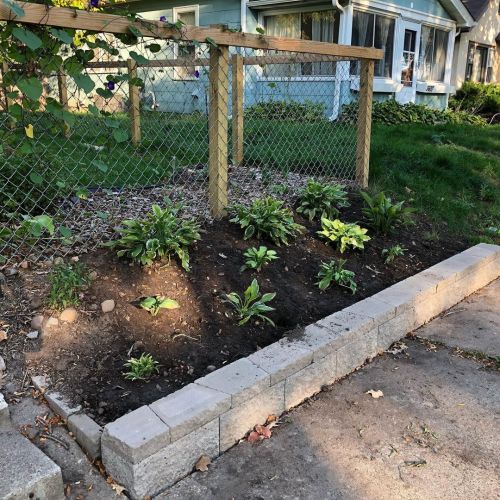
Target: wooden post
238,101
63,95
135,109
364,121
218,128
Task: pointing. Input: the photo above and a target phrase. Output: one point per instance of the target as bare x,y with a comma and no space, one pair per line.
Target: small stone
58,261
211,368
25,264
37,321
93,307
11,271
107,306
69,315
51,322
36,302
75,259
2,364
32,335
93,275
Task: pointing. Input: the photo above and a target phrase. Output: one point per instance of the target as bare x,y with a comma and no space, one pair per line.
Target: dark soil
85,359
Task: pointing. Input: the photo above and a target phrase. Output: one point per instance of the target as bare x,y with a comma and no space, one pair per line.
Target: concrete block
87,433
60,405
242,380
136,436
310,380
376,309
282,359
349,322
319,339
41,383
353,355
4,411
166,466
486,251
398,327
235,423
25,471
189,408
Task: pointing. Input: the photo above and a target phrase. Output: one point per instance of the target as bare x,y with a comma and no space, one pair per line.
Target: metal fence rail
207,119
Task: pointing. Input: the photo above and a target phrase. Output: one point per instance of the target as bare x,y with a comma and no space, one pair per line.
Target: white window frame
175,17
448,64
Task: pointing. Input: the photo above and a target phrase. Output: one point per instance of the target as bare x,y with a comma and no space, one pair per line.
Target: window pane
188,18
321,26
426,49
440,50
384,39
362,29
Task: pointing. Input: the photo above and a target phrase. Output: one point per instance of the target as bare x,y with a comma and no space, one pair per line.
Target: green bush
390,112
306,111
477,98
321,200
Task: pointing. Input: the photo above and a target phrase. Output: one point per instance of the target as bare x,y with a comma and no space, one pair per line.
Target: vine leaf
138,57
31,87
120,135
29,131
62,35
36,178
84,82
100,165
18,11
135,31
27,37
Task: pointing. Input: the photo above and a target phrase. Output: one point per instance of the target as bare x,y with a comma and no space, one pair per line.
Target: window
433,50
479,63
188,16
373,30
320,26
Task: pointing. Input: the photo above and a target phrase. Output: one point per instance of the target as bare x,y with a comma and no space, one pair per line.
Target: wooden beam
218,129
237,111
109,23
134,104
364,122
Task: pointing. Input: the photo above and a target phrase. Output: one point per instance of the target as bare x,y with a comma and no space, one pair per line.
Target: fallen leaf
271,418
254,437
375,394
118,488
29,130
264,431
203,463
3,335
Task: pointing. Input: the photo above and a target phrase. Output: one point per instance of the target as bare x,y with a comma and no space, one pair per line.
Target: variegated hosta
344,234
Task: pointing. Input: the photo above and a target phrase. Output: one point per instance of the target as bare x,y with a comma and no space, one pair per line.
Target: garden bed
85,359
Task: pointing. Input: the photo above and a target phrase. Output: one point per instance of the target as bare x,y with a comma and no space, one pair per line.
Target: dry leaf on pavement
375,394
203,463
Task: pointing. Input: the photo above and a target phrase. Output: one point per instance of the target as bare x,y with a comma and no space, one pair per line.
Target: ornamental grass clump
161,234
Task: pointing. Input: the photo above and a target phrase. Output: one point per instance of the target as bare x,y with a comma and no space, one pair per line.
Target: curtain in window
433,51
322,30
426,48
440,49
384,39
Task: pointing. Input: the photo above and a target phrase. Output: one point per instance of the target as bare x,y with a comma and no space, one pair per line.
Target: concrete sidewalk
434,434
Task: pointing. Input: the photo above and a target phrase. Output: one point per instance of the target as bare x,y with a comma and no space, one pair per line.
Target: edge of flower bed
151,448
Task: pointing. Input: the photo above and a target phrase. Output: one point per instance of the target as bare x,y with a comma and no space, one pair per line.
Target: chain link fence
164,120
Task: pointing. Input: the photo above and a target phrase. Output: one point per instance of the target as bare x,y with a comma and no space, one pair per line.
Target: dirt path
434,434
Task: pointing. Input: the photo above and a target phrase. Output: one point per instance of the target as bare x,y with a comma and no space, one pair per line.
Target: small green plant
334,271
156,302
252,304
141,368
382,213
344,234
162,234
391,253
266,218
321,200
257,258
66,283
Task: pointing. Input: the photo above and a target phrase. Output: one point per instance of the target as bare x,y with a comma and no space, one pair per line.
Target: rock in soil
69,315
3,335
32,335
11,271
58,261
25,264
51,322
107,306
37,322
36,302
2,364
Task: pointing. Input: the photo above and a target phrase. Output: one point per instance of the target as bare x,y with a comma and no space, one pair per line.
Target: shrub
252,304
391,253
344,234
306,111
382,213
321,200
155,303
66,283
390,112
140,368
334,271
477,98
266,218
257,258
162,234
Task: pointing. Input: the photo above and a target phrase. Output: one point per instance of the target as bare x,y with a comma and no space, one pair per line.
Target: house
418,37
477,48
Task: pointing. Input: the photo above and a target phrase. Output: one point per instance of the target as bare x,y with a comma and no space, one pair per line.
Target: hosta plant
334,271
266,218
344,234
252,304
161,234
156,302
321,200
391,253
66,283
382,213
140,368
257,258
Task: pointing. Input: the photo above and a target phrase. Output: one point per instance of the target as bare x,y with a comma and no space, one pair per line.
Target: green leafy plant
141,368
477,98
344,234
162,234
252,304
66,283
257,258
156,302
391,253
321,200
382,213
334,271
307,111
266,218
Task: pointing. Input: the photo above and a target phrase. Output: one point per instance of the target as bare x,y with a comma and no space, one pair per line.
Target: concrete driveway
435,433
